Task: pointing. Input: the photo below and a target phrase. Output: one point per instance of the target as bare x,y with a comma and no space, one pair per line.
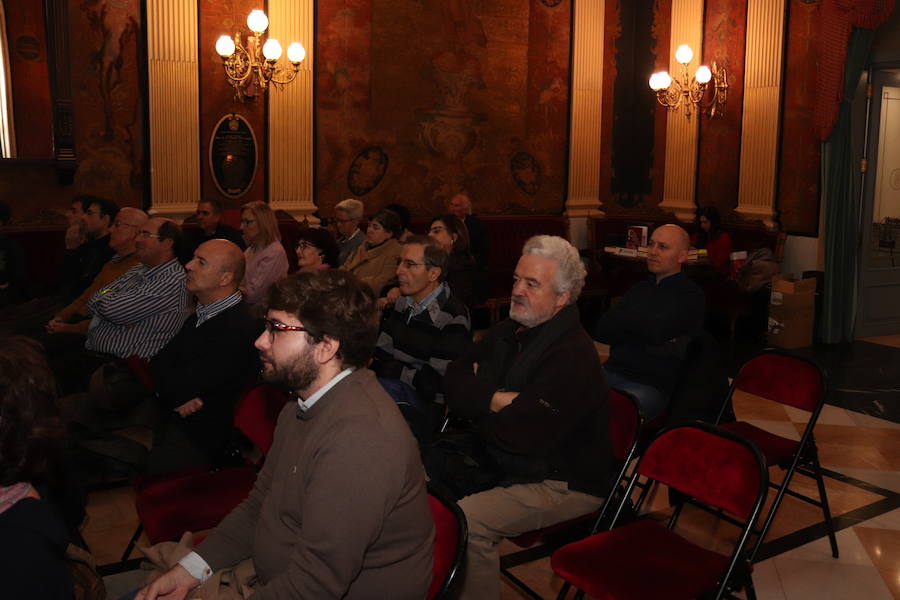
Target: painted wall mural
417,101
632,155
107,96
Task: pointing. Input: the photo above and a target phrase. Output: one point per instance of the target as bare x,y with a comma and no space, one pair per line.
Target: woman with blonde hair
266,259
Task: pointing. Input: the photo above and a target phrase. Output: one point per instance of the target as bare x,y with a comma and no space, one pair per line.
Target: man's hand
501,400
189,407
57,326
74,236
389,298
173,585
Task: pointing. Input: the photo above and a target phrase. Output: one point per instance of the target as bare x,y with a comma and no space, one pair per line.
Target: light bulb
257,21
684,54
272,49
660,81
703,74
225,46
296,52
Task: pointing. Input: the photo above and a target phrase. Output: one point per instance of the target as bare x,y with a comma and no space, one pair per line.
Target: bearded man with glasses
340,508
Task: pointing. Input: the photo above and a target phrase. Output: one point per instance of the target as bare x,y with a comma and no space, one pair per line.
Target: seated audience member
711,237
35,536
209,227
202,372
423,330
479,245
123,237
266,259
405,219
340,508
466,279
137,314
534,388
650,328
347,216
82,263
316,250
375,261
13,265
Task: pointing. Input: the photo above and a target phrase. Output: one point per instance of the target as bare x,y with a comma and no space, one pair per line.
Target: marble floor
859,444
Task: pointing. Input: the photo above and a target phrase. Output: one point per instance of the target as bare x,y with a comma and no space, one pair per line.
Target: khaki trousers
505,512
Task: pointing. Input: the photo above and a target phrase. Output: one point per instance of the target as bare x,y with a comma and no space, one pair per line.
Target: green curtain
840,194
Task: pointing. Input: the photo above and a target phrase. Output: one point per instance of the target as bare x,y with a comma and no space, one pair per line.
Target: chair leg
820,482
132,542
564,591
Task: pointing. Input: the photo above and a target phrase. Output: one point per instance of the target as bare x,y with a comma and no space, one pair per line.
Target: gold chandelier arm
238,66
282,76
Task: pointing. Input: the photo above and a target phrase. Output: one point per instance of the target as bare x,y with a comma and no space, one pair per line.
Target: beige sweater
376,266
340,509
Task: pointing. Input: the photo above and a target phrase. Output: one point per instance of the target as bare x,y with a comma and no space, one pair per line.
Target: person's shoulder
453,305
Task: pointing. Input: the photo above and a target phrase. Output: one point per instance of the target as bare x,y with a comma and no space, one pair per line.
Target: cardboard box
792,309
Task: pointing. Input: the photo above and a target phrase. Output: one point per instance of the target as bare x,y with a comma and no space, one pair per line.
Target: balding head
460,205
125,229
668,250
215,271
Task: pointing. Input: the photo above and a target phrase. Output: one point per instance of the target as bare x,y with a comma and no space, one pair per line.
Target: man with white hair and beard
340,509
535,391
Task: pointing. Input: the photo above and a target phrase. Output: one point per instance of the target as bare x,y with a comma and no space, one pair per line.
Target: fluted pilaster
174,100
587,96
762,103
291,114
681,131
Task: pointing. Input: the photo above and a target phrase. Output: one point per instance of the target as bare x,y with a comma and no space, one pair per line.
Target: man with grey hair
535,391
347,215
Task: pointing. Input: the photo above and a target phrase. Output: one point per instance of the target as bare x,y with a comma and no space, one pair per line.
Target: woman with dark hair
33,556
405,219
375,261
316,250
465,279
711,237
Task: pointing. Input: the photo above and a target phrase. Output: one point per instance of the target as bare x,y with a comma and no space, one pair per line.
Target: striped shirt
205,312
139,312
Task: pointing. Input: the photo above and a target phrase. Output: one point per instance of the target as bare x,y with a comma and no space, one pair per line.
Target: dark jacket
479,244
648,330
560,414
195,237
82,264
215,362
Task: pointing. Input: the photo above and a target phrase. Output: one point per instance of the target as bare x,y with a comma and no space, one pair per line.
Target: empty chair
647,560
795,382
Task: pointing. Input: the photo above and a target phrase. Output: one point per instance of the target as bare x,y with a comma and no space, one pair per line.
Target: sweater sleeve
338,525
271,266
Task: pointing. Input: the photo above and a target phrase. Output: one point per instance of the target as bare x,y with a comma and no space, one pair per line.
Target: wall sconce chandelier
688,92
257,63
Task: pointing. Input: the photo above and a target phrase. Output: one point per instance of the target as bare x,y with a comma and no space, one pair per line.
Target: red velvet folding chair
795,382
198,499
625,422
450,536
647,560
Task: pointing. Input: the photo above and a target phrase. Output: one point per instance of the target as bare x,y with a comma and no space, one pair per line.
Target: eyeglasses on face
122,224
303,245
272,326
147,234
437,229
408,264
248,221
342,221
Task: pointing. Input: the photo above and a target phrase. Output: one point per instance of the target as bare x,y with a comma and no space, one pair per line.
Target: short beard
295,376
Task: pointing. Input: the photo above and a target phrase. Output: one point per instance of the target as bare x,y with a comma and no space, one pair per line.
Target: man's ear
327,349
562,300
434,273
682,256
225,278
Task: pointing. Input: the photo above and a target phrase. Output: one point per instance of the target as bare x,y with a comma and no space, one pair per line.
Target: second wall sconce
687,93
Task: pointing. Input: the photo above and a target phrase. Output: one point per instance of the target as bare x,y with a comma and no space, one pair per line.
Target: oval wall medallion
232,155
367,170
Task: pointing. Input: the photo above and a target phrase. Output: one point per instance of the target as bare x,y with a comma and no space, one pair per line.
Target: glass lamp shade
225,46
660,81
257,21
296,52
684,54
272,49
703,74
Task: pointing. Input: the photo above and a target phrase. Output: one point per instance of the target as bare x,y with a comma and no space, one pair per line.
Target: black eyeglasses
408,264
273,326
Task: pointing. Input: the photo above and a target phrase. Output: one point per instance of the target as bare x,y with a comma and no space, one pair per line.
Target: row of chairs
722,469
